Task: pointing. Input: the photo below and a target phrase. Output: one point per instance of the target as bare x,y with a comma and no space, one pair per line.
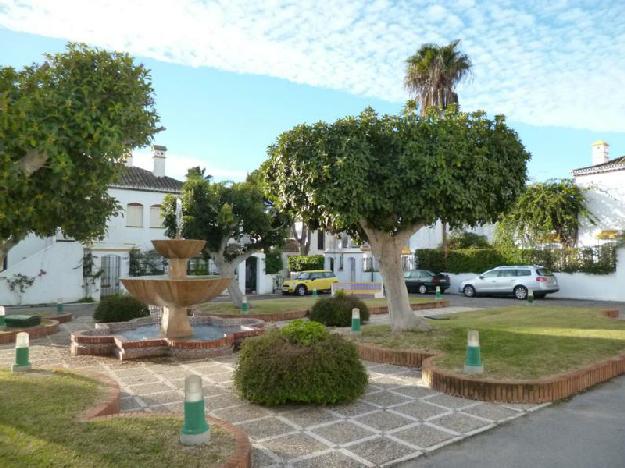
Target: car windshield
303,276
428,272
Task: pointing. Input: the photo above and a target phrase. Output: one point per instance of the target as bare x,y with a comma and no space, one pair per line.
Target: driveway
585,432
486,302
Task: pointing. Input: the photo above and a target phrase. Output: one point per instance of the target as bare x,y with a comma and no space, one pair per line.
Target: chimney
600,150
159,160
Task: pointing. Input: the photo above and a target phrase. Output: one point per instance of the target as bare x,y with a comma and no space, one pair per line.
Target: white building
55,264
605,184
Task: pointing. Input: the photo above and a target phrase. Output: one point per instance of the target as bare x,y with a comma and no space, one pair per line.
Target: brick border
109,407
8,337
546,389
298,314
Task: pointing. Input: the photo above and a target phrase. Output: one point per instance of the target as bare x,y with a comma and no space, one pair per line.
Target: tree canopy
66,126
546,212
235,219
383,177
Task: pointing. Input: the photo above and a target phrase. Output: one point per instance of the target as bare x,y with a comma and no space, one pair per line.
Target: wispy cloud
544,63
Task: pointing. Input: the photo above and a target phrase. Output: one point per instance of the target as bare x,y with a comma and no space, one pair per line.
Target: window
523,273
156,220
544,272
321,239
134,215
507,273
491,274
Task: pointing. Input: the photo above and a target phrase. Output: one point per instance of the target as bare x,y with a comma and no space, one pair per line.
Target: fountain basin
179,248
140,338
162,290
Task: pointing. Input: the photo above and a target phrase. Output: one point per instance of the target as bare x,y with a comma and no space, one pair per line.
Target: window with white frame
156,220
134,215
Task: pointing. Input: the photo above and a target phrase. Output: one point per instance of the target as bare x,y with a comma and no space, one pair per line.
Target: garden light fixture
21,353
473,362
356,321
195,430
530,296
59,305
2,316
245,307
438,293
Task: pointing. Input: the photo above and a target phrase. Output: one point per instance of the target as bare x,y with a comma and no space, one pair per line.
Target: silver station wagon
512,280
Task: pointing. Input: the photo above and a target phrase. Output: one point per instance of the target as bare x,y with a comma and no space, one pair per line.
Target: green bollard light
196,430
2,312
356,321
21,353
530,296
245,307
59,305
438,293
473,361
314,293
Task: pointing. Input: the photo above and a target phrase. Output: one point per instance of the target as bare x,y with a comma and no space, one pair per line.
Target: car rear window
544,272
523,273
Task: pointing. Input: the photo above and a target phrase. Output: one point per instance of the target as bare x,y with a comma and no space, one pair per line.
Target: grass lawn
38,428
516,342
287,304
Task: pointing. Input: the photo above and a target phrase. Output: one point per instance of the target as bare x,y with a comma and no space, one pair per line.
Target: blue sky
230,76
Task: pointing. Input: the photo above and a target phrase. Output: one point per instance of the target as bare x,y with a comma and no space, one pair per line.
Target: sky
230,76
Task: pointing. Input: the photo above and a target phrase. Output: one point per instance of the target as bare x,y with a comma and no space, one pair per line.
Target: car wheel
469,291
520,292
300,290
422,289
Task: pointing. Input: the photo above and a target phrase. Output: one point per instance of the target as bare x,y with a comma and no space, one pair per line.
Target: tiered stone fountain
174,293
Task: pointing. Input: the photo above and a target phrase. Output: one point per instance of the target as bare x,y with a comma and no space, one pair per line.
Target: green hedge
306,262
594,260
302,364
273,261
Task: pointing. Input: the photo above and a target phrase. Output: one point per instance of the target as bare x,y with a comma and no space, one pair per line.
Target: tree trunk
228,269
303,240
445,240
387,249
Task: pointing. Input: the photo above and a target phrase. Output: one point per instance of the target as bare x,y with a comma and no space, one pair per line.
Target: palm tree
432,74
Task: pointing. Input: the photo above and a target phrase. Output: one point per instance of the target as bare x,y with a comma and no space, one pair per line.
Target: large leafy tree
65,128
432,75
382,178
546,212
235,219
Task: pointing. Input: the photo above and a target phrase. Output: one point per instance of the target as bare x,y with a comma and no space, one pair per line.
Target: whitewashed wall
62,264
576,285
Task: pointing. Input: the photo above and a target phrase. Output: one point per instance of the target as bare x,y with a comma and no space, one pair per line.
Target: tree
544,213
432,75
382,178
235,219
66,126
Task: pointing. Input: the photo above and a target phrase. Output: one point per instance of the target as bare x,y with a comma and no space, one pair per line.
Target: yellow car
307,281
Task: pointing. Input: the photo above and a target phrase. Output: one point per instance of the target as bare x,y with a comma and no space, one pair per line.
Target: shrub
119,308
273,261
306,262
467,240
278,368
304,333
337,311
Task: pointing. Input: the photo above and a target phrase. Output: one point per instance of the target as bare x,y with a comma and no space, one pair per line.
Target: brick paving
397,419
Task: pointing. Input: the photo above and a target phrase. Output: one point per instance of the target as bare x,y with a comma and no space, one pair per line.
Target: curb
546,389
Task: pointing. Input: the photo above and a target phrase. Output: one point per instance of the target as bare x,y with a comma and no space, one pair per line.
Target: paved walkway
585,432
398,419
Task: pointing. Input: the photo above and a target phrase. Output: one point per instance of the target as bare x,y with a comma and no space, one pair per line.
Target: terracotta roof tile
140,179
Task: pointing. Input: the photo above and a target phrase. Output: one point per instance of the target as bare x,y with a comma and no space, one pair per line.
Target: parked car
424,281
512,280
307,281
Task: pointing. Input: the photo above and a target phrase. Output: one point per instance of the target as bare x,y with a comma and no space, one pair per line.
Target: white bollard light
356,321
195,430
22,351
2,312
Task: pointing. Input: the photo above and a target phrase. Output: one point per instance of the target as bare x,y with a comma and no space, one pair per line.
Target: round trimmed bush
119,308
301,363
337,311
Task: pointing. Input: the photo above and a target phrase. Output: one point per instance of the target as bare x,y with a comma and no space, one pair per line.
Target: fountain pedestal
177,291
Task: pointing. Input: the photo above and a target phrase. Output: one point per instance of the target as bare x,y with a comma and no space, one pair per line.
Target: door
251,267
352,269
487,282
411,278
109,282
505,281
